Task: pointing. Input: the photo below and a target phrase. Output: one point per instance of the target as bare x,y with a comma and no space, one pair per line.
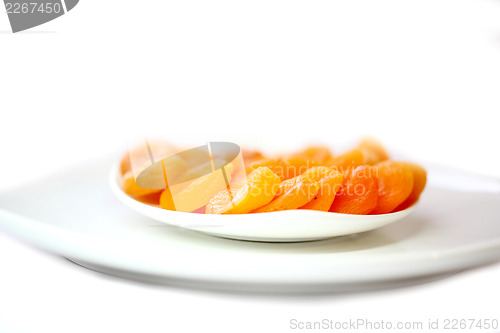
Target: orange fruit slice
125,165
328,188
348,161
395,184
419,182
189,196
130,187
315,155
318,172
276,165
294,166
373,151
293,193
258,189
250,156
359,192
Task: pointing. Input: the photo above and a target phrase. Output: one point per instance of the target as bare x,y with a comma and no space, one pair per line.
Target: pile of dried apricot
362,180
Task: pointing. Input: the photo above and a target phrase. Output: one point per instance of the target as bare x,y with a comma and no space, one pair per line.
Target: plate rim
83,248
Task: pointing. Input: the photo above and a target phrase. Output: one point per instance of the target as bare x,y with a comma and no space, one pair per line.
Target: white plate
283,226
75,214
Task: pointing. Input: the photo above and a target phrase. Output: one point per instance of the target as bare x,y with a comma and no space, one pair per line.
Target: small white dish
284,226
75,214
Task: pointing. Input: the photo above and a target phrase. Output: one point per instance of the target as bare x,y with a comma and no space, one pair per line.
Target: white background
423,76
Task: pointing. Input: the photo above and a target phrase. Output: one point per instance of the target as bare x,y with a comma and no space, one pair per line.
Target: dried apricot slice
395,183
328,188
359,192
373,151
150,199
250,156
293,193
141,157
144,154
153,177
125,165
131,188
316,173
187,198
419,181
276,165
348,161
294,166
258,189
315,155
